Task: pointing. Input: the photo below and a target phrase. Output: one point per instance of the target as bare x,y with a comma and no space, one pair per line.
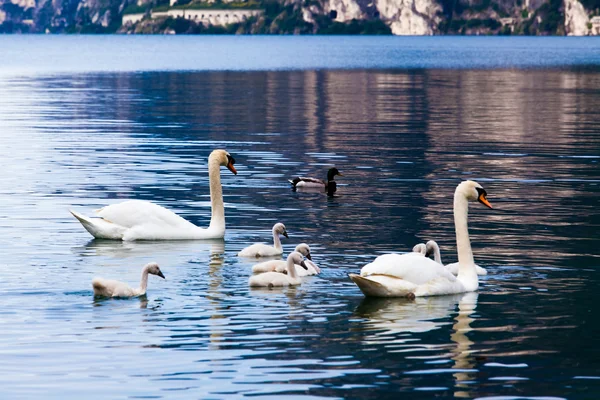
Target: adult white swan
275,279
110,288
264,250
412,275
431,247
142,220
281,266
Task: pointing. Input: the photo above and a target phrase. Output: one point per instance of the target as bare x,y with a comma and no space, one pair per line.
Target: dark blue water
73,136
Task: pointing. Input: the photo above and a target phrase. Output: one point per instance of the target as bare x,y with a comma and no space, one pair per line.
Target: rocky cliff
399,17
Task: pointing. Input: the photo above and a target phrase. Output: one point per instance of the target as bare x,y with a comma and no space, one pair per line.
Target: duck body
143,220
412,275
328,185
305,182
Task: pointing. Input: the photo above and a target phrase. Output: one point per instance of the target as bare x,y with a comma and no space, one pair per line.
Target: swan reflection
464,360
169,251
389,319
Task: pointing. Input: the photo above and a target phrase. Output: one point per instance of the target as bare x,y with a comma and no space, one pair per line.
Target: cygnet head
430,248
332,173
279,229
303,249
154,269
473,191
420,248
225,159
297,259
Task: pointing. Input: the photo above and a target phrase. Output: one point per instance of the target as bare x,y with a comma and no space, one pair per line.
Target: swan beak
309,256
303,265
161,274
231,168
484,201
284,233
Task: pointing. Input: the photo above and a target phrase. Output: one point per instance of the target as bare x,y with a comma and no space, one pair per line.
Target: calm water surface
403,138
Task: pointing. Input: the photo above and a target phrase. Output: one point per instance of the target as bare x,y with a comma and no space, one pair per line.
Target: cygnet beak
161,274
303,265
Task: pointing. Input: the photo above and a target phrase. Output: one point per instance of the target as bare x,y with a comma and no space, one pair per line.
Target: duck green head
332,173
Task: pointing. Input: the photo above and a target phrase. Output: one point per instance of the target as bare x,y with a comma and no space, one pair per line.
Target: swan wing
269,266
272,279
259,250
111,288
133,213
453,269
312,268
411,267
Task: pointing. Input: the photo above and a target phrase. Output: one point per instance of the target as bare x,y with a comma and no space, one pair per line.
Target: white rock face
405,17
346,9
410,17
576,18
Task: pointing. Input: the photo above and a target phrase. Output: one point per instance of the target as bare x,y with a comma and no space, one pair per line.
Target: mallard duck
329,185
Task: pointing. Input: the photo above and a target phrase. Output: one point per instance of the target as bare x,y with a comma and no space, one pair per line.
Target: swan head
279,229
332,173
420,248
430,248
154,269
303,249
297,259
473,191
224,158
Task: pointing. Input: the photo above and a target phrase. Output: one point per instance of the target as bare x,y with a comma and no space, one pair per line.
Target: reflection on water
402,139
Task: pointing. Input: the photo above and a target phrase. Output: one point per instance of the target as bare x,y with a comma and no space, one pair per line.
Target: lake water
89,121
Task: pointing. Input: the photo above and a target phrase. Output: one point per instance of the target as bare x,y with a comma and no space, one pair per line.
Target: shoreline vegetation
448,17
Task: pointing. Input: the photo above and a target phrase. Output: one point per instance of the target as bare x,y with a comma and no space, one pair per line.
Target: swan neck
463,243
291,268
437,256
217,218
277,241
143,282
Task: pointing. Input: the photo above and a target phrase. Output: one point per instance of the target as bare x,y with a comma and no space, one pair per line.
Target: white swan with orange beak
412,275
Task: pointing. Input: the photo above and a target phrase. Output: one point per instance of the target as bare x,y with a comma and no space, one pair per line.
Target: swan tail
99,287
372,288
369,287
99,227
